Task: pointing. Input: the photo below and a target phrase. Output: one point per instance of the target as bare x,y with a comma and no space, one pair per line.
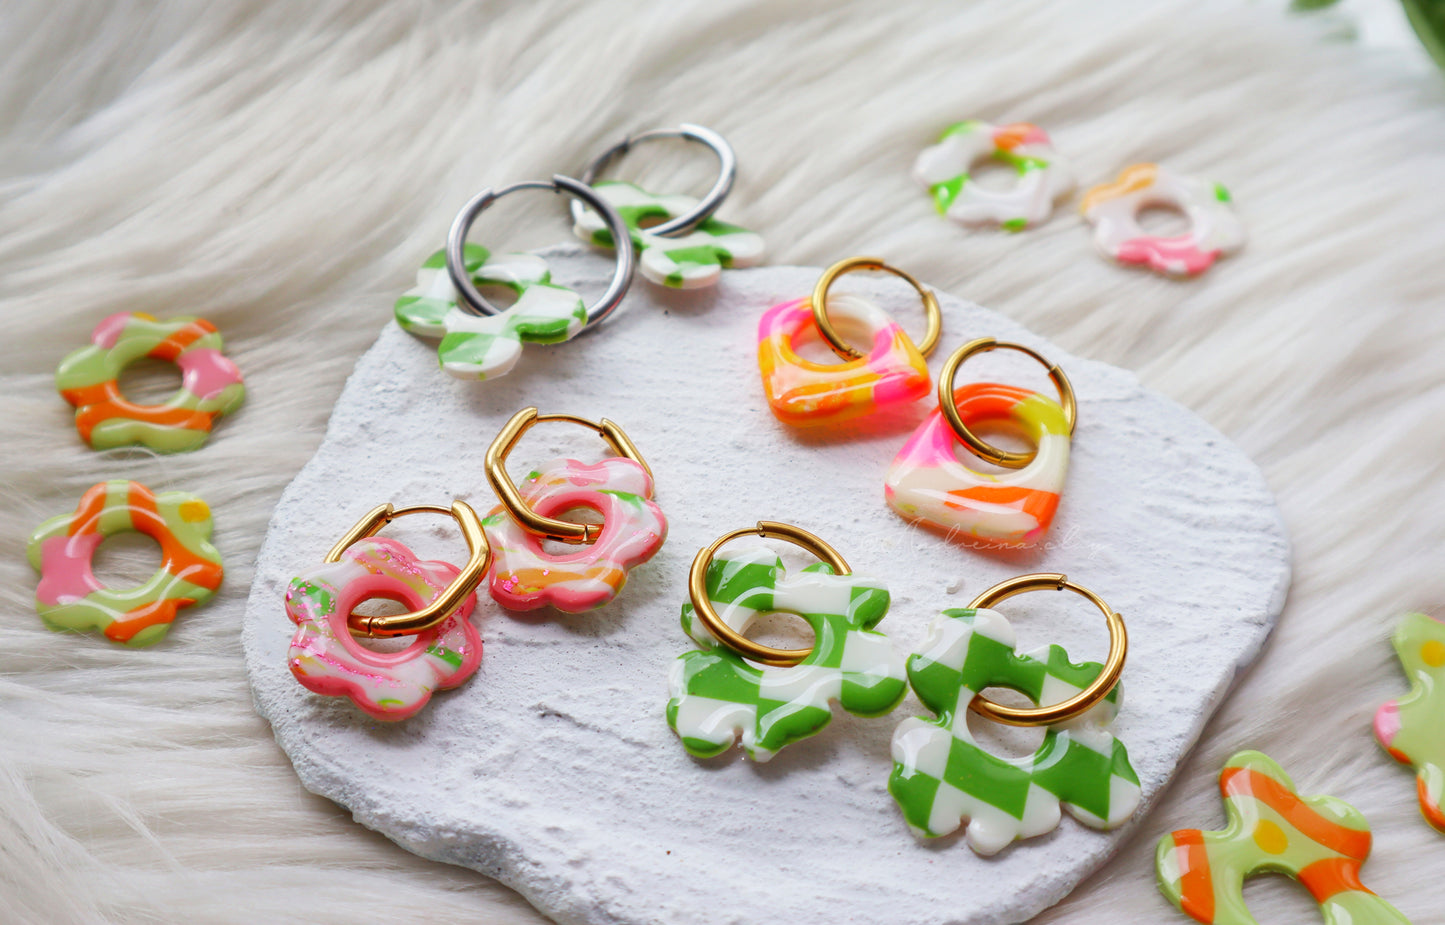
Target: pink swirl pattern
389,686
525,576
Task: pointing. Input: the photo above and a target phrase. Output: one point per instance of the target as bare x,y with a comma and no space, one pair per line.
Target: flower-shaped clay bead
328,660
941,776
69,597
691,260
1043,174
89,379
1113,209
485,347
1412,728
718,696
526,576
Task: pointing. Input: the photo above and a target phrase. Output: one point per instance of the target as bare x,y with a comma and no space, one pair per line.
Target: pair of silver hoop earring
471,300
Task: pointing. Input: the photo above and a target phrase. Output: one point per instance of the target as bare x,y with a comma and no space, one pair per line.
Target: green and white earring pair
675,240
731,688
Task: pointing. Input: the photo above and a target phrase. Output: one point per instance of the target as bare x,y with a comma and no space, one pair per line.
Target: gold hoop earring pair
506,547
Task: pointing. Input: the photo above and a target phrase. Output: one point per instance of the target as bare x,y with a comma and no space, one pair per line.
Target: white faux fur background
281,169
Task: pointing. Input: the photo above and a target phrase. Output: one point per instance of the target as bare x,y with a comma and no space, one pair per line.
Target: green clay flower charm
485,347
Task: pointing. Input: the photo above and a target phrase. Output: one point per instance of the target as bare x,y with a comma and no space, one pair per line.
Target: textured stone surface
553,769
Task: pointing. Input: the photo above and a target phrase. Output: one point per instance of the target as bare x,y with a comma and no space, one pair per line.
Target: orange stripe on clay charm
70,597
1412,728
1319,841
928,484
892,370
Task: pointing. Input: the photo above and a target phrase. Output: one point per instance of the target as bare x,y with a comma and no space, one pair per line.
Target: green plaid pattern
941,775
717,695
690,261
476,347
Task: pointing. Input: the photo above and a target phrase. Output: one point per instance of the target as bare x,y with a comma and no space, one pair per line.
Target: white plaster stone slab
553,769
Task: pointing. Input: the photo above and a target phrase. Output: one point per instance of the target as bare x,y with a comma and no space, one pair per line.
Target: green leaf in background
1304,6
1428,18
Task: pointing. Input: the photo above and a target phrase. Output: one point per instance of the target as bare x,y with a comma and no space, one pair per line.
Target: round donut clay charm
1113,209
1043,174
69,597
210,383
328,660
525,576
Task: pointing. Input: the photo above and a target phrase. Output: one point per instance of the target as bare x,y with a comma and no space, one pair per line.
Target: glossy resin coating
525,576
1320,841
692,260
943,777
717,696
328,660
807,394
89,379
1043,175
485,347
1113,209
926,483
1412,729
69,597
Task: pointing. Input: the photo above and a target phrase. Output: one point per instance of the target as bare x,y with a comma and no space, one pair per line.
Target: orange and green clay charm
89,379
1412,728
1320,841
70,597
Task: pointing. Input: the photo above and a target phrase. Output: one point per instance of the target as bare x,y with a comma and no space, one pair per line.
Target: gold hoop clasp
697,589
479,559
993,454
847,351
496,469
1086,699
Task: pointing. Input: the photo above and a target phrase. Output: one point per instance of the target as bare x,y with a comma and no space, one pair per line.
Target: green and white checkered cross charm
941,776
718,696
485,347
693,260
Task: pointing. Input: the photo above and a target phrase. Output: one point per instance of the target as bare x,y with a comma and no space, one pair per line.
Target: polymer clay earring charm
325,656
1320,841
807,394
679,244
927,484
479,340
733,688
524,574
69,597
210,383
1412,728
1043,176
942,777
1113,209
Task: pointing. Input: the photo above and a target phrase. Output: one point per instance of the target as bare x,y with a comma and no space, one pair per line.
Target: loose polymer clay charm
1113,209
679,244
803,393
478,339
69,597
1319,841
326,657
1412,728
525,575
1043,175
89,379
927,484
732,688
942,777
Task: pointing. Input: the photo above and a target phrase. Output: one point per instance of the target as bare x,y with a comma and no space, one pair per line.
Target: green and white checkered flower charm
767,697
487,346
691,260
942,777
